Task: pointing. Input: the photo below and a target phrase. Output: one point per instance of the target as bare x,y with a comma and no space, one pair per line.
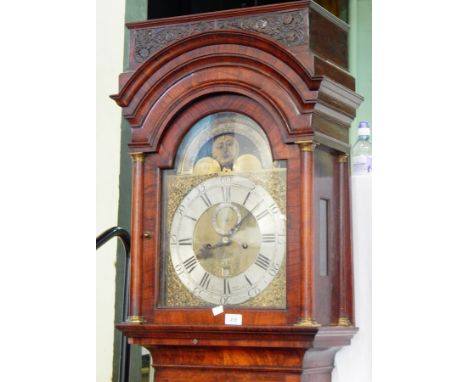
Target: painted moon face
225,149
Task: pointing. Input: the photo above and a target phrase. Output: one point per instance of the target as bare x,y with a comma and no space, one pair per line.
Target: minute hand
234,229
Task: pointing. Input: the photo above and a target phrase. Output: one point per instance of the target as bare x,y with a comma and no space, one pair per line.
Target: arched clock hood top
231,62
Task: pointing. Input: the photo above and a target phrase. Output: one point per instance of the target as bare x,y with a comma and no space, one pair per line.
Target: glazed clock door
224,225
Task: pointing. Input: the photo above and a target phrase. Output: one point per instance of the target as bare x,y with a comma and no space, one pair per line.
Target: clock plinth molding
283,66
289,354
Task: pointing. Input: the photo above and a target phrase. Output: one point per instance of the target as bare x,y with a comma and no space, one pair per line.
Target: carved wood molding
237,39
237,62
288,28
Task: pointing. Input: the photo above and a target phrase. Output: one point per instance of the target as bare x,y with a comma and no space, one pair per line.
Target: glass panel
224,231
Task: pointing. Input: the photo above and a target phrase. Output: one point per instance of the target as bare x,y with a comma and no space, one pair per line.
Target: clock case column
284,66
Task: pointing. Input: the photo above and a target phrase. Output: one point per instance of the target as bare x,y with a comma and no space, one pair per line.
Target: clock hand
207,249
234,229
205,252
225,240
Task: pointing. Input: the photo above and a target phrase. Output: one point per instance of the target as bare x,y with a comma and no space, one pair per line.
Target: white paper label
217,310
233,319
362,164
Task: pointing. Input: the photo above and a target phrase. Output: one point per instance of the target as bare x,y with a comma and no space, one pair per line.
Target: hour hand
207,250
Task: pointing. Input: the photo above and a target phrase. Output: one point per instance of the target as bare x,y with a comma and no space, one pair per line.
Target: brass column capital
138,157
343,158
309,145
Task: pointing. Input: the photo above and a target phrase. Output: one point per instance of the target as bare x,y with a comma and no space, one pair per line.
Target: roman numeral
227,287
248,280
191,218
227,194
268,238
256,206
274,208
187,241
181,210
261,214
190,264
206,200
262,261
247,198
205,281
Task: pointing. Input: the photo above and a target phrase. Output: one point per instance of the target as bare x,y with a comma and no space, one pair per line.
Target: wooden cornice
294,5
137,79
234,62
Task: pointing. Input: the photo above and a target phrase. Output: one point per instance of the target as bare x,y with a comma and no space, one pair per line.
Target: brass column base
344,321
135,319
308,322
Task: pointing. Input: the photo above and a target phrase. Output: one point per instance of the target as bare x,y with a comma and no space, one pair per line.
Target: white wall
353,363
109,56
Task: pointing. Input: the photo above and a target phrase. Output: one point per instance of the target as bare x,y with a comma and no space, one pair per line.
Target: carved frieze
288,28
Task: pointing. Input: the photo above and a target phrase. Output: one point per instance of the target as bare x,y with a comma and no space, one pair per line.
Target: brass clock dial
224,236
227,240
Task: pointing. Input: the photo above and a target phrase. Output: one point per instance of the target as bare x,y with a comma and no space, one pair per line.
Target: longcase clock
241,264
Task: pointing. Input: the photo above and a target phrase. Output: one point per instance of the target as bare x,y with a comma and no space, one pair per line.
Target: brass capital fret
308,146
343,158
138,157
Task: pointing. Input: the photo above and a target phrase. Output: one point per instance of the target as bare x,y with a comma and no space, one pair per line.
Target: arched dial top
224,140
227,240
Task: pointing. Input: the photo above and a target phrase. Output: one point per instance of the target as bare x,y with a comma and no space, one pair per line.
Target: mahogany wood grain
271,121
136,281
241,353
307,233
323,23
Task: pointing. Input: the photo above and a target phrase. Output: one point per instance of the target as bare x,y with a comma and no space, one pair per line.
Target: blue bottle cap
363,124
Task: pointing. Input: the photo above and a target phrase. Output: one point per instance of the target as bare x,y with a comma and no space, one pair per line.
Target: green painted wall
360,58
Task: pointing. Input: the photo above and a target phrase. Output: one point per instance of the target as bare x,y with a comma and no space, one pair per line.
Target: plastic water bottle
361,152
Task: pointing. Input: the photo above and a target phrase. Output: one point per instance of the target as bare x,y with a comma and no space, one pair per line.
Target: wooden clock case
284,66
